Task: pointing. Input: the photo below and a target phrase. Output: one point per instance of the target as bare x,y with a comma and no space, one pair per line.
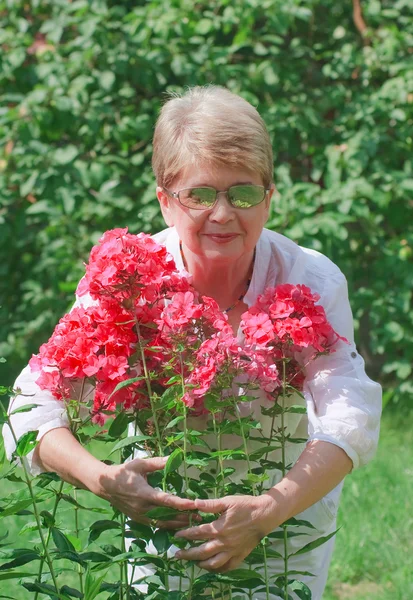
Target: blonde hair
210,126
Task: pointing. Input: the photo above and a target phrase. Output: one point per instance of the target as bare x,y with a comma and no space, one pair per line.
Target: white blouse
343,403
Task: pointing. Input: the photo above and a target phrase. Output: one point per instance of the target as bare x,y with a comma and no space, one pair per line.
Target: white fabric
343,404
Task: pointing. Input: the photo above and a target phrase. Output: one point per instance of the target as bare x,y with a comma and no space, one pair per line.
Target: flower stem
192,569
149,389
54,511
79,567
283,466
217,433
36,513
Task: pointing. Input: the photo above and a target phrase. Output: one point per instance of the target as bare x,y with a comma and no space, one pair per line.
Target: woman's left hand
243,522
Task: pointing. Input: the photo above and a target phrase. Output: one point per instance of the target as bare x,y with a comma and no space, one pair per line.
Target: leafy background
81,84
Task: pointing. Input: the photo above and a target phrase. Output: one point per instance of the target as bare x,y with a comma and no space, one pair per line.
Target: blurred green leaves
81,84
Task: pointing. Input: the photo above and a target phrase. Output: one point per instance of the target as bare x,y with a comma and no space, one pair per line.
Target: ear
268,197
165,204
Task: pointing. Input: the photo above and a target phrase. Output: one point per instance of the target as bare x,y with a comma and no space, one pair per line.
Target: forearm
60,452
319,469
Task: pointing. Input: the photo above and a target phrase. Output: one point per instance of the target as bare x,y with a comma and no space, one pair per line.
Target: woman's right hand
125,486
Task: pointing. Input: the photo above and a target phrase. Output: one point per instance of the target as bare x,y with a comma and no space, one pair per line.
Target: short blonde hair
210,126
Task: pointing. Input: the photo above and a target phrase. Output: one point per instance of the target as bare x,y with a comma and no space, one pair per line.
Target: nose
223,211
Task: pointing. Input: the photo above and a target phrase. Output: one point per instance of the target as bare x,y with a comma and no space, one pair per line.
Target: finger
169,500
148,465
229,566
212,506
215,563
200,532
177,522
169,525
202,552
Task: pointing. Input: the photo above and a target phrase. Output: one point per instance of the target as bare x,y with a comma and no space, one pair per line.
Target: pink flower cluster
129,277
125,268
145,310
287,317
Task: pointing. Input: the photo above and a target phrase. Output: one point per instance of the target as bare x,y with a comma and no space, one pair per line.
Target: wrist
282,504
95,478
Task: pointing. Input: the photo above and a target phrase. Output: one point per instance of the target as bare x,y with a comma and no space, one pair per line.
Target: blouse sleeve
48,414
343,403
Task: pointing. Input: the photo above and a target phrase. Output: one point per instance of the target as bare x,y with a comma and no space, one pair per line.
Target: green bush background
81,84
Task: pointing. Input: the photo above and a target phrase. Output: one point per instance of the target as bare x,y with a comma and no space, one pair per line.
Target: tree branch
359,21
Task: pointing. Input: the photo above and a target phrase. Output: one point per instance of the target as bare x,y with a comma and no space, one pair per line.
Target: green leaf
92,585
279,535
68,555
174,461
64,156
61,541
301,590
48,519
245,578
14,575
72,592
257,454
26,443
107,79
15,508
170,395
95,557
123,384
45,588
175,422
162,513
129,441
28,186
315,544
25,408
98,527
21,557
293,522
296,409
161,540
74,502
119,425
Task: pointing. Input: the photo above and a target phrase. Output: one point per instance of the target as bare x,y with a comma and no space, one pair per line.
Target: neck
221,280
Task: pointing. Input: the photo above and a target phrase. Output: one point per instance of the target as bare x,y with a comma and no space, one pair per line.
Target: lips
221,238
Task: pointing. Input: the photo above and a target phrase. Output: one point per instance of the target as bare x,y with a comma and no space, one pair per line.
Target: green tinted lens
201,197
245,196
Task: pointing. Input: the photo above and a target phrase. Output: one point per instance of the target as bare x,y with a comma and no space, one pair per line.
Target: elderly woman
214,169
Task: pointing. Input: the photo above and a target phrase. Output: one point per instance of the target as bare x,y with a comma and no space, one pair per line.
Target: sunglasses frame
177,197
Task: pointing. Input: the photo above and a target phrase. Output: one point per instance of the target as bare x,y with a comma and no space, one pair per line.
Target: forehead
219,177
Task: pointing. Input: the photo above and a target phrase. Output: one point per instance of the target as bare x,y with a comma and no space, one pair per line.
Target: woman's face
223,232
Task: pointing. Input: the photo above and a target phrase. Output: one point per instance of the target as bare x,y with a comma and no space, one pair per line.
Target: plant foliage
81,84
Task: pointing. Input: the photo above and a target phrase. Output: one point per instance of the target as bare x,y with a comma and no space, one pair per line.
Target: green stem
36,513
79,567
192,570
244,442
54,511
129,587
283,466
254,493
217,433
149,389
73,428
123,565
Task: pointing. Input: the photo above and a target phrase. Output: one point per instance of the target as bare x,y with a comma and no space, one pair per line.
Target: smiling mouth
222,235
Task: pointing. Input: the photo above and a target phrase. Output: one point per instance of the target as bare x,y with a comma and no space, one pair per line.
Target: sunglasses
204,198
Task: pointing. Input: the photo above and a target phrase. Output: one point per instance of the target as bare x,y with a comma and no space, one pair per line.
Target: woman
213,165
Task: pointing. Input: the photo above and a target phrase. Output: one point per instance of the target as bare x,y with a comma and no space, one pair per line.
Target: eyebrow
211,186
